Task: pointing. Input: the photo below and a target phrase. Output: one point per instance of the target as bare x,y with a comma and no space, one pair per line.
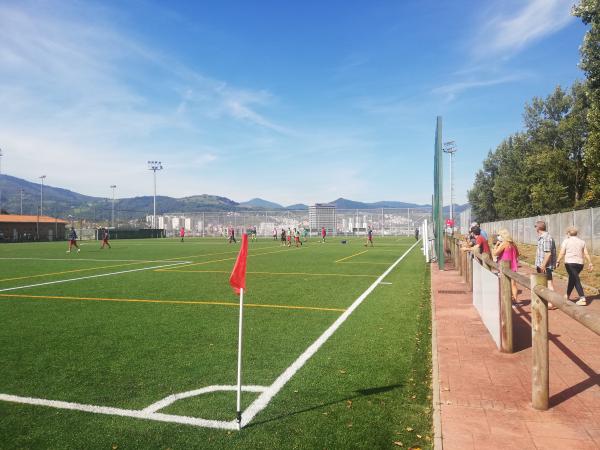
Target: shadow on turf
359,394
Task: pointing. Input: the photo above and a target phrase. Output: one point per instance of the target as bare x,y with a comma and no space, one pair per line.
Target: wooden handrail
589,319
540,297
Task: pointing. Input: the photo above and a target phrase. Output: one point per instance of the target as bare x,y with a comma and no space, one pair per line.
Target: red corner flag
237,280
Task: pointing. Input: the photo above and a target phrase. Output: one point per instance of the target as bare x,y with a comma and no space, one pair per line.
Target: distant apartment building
322,215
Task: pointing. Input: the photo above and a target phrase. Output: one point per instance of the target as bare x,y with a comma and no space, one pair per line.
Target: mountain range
61,202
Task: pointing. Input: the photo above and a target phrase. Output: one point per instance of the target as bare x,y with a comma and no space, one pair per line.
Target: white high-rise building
322,215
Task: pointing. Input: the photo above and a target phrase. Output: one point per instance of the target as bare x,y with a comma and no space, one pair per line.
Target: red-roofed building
14,227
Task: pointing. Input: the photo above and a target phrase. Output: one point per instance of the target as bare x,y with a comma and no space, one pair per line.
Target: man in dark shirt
73,240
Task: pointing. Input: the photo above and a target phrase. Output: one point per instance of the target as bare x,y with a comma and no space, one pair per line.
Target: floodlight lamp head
154,165
449,147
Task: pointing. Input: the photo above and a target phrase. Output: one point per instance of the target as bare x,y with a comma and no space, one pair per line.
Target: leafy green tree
481,196
589,12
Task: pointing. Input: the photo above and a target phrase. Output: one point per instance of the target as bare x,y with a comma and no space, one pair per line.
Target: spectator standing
506,250
545,255
573,250
483,232
480,242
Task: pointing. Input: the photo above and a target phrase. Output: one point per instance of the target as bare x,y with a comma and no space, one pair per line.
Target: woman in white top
574,251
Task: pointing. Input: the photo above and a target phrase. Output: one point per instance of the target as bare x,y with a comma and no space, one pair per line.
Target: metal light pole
154,166
42,194
450,147
21,201
112,221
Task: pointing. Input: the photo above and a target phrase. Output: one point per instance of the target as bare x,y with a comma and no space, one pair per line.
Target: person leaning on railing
480,242
573,250
506,250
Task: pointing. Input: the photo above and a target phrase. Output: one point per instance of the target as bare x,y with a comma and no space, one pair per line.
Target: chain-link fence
587,222
349,222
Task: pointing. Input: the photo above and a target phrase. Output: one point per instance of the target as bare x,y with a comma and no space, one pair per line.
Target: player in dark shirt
73,240
369,237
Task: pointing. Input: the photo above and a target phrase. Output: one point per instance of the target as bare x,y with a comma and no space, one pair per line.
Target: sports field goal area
137,345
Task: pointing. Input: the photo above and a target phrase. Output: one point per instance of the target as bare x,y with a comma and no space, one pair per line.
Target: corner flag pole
239,365
237,280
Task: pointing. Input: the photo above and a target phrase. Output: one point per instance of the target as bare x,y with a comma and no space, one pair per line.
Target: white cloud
506,33
452,90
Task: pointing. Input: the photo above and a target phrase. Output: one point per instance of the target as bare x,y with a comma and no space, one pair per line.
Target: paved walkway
485,395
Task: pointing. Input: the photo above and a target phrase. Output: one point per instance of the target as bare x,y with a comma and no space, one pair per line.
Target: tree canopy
554,163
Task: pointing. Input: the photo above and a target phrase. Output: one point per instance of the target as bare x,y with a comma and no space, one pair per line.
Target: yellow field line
175,302
70,271
365,262
228,259
351,256
271,273
217,253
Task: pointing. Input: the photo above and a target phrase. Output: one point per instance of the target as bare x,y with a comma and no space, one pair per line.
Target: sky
293,102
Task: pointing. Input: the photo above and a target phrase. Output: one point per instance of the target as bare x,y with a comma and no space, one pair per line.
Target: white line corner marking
266,393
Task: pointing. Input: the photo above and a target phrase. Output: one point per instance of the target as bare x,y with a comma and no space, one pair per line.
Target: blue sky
287,101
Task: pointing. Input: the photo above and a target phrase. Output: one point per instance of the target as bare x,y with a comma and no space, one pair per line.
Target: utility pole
42,194
450,147
22,190
113,186
154,166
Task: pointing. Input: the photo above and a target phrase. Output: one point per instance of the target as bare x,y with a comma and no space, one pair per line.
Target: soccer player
105,238
416,234
232,235
323,234
297,237
182,233
73,240
254,232
369,237
305,234
283,237
289,237
274,233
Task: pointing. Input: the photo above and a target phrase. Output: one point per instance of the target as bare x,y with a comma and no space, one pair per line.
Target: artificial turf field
126,327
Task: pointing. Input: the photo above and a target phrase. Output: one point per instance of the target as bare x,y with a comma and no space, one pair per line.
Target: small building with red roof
16,228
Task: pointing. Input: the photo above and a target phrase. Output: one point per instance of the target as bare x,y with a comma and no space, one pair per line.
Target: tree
589,12
481,196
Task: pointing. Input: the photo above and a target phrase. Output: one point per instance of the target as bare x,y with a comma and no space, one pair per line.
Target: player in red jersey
105,237
323,234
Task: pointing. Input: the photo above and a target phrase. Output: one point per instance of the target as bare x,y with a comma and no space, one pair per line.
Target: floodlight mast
154,166
450,147
112,218
42,194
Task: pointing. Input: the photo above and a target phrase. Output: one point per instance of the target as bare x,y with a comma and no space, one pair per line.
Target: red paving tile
485,395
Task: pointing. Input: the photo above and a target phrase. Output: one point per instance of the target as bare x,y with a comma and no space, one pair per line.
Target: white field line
263,400
147,413
173,398
267,393
385,282
91,259
90,276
